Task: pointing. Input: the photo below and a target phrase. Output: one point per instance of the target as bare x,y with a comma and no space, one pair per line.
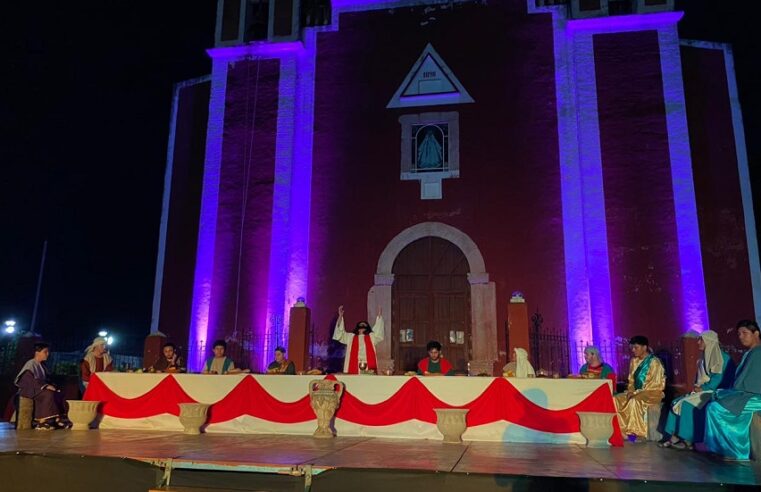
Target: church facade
427,160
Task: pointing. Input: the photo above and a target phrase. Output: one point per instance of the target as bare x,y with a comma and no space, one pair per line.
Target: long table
500,409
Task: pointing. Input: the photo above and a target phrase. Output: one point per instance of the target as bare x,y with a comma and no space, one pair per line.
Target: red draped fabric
372,363
249,398
161,399
501,401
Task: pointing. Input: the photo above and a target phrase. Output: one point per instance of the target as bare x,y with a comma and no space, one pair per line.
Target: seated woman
595,368
519,365
647,380
169,361
32,382
686,420
729,415
434,364
281,365
96,359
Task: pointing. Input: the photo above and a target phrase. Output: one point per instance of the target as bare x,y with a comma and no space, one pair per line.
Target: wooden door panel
431,296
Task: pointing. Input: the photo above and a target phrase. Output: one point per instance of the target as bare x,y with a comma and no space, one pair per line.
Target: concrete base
653,419
25,413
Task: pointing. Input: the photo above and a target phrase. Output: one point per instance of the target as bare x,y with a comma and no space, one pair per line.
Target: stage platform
116,460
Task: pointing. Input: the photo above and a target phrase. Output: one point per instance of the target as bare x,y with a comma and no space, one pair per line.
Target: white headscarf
90,356
713,362
523,367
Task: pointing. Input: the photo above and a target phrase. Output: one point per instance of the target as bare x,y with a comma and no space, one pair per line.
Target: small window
430,148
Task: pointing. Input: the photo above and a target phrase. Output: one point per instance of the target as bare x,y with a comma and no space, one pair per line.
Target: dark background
85,99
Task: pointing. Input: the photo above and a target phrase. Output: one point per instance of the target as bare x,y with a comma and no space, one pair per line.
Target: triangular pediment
430,82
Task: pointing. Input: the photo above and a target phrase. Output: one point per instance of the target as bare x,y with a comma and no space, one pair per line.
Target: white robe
340,334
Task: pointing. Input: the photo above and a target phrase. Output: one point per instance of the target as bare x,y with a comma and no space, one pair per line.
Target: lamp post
9,327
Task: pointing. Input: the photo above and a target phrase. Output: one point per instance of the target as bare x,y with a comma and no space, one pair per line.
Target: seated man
169,361
647,380
434,364
96,359
595,368
519,365
220,363
686,420
281,365
32,382
729,416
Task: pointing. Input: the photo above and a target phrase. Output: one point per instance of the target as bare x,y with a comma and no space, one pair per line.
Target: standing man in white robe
360,345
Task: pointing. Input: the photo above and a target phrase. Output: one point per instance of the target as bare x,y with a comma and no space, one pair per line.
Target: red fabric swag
249,398
161,399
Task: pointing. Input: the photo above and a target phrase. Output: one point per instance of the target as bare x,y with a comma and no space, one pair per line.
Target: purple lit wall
252,257
207,227
359,203
586,193
639,203
179,225
577,141
245,206
728,263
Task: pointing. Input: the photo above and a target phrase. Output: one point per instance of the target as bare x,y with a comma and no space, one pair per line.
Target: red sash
443,364
354,354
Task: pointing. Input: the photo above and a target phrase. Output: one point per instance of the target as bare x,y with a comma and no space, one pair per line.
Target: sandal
666,444
683,446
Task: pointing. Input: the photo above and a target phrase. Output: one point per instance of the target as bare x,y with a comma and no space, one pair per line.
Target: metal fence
67,363
246,349
549,349
8,355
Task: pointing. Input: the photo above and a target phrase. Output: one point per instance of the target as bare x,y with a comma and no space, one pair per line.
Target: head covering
712,358
90,355
36,368
523,367
96,341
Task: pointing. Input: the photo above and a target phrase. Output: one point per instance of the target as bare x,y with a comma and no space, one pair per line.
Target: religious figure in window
430,152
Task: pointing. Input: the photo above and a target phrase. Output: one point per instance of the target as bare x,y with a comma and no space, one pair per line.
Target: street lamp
10,327
102,333
110,340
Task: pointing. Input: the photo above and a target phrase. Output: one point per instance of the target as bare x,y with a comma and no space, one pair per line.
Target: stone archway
483,295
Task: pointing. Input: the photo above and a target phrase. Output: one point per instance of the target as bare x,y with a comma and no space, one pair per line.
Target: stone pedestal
451,423
193,416
518,327
82,413
298,336
653,419
325,397
25,413
596,427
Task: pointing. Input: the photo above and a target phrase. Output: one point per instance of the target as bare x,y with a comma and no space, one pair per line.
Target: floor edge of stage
143,460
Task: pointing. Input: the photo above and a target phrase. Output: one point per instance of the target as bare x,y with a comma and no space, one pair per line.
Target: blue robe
728,417
690,423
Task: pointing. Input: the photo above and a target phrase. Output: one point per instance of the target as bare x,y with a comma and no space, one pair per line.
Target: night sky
84,120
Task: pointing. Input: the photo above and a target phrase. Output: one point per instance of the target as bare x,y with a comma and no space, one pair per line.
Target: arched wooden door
430,301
